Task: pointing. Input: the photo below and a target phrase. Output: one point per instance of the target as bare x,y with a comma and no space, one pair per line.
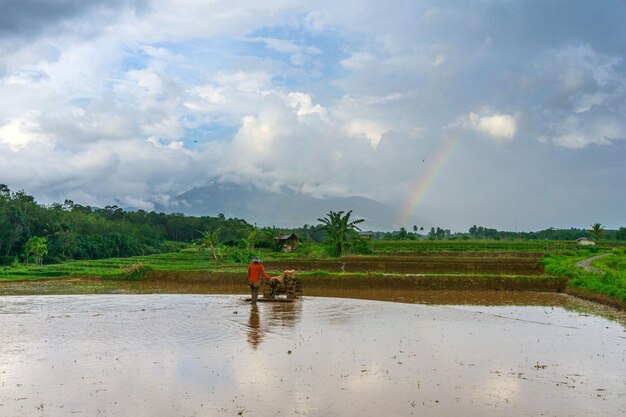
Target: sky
501,113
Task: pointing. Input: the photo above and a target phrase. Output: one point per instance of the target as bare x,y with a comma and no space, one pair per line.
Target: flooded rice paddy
216,355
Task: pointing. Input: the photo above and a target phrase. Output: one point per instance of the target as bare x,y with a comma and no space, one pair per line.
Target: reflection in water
159,355
278,314
254,327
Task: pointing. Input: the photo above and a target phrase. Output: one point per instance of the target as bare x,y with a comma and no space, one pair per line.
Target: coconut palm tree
597,231
340,231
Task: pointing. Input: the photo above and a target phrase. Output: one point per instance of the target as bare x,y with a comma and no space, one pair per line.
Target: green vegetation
210,240
597,231
51,234
117,268
36,248
608,278
462,245
137,271
341,233
486,233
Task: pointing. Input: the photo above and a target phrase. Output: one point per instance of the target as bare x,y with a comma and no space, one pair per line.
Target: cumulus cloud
586,92
18,134
367,129
498,127
139,101
597,125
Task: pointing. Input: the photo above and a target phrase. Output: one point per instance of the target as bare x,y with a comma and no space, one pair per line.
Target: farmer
255,270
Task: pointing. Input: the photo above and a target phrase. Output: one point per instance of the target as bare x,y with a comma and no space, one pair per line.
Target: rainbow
425,180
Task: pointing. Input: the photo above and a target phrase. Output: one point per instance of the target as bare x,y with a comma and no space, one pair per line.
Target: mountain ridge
270,208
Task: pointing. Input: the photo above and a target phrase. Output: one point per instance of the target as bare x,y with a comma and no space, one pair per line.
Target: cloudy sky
500,113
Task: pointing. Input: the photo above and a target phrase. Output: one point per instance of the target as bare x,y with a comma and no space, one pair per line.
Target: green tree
597,231
250,240
211,241
340,231
36,247
271,235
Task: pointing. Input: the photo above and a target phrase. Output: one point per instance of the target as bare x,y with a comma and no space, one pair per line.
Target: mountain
281,209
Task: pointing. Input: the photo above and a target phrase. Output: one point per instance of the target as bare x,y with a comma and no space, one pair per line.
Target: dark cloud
29,18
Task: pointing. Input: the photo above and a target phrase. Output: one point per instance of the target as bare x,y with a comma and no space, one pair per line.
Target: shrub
240,256
137,272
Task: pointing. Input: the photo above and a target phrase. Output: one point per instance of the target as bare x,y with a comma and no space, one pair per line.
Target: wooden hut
288,242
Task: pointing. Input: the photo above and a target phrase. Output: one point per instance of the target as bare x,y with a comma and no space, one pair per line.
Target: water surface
208,355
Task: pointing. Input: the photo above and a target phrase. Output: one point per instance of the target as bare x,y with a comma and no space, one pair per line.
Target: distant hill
281,209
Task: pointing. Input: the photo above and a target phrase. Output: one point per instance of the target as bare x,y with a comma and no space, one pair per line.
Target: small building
366,235
288,242
585,241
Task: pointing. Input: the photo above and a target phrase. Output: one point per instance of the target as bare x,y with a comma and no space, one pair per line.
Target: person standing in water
255,272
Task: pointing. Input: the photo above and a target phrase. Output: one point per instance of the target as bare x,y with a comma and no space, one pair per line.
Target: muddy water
215,355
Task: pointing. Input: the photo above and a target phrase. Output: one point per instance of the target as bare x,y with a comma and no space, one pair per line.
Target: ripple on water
217,355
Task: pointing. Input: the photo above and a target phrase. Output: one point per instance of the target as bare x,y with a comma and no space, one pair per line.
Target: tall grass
610,281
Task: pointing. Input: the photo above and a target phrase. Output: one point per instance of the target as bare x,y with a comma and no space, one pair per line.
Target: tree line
596,231
34,232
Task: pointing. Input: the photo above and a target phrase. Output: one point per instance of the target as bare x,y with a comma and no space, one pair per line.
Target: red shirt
254,272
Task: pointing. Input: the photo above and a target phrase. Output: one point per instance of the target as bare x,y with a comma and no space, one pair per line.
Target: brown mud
457,254
596,297
418,265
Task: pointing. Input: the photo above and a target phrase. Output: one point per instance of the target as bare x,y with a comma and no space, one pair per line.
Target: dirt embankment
417,265
380,280
596,297
196,282
456,254
453,272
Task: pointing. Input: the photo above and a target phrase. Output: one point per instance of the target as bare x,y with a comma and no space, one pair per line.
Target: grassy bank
609,281
115,267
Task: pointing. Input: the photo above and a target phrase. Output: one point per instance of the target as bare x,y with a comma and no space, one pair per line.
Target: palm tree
597,230
341,232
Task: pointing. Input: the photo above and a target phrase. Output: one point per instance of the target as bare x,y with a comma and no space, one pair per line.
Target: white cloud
279,45
367,129
498,127
303,105
319,20
245,81
357,61
19,133
439,59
